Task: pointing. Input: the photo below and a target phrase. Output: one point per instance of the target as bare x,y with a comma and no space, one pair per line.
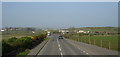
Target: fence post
89,41
85,40
101,43
78,39
94,42
109,44
81,39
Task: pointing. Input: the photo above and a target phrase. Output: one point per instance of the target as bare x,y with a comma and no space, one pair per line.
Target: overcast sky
59,14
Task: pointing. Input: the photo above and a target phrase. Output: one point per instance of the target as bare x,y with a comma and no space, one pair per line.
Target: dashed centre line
83,51
60,48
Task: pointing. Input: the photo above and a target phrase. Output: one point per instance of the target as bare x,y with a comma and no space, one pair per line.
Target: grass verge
23,54
47,38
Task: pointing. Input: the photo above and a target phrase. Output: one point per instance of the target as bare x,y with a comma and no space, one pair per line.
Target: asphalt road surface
64,46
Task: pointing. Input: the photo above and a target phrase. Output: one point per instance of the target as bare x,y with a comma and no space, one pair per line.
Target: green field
18,34
107,29
109,41
106,41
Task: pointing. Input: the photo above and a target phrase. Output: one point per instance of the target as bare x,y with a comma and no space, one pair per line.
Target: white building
2,30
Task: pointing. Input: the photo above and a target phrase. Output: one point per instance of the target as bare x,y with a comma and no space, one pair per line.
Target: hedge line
15,45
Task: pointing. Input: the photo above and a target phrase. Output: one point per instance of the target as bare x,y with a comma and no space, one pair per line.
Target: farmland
109,41
8,34
106,29
96,40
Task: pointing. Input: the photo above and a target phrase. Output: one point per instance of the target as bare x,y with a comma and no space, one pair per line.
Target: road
63,47
59,47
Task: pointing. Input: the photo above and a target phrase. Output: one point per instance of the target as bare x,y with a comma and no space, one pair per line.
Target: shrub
13,39
42,36
6,47
24,42
34,38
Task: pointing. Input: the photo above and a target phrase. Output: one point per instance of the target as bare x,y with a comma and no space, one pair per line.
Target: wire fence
100,43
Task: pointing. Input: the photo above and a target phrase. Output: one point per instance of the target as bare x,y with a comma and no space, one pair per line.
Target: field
18,34
107,29
106,41
109,41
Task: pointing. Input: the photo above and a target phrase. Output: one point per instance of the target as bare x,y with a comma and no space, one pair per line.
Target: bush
6,47
42,36
14,44
34,38
24,42
13,39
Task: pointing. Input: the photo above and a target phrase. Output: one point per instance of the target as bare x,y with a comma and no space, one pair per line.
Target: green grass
47,38
98,39
23,54
18,34
107,29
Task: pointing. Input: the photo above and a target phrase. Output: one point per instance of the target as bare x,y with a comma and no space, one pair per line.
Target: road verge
36,50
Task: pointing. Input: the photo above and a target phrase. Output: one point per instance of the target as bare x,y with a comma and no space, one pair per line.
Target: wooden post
89,41
94,42
81,39
101,43
109,44
78,39
85,40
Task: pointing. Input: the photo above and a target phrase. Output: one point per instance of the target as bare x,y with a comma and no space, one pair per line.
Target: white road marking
83,51
58,45
61,53
60,49
87,53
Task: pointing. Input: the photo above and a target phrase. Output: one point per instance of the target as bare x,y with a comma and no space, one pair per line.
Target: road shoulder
37,49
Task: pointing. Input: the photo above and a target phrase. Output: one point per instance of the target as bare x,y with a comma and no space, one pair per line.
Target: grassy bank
23,54
20,45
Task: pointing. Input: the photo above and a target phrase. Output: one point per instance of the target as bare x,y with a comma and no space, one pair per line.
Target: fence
100,43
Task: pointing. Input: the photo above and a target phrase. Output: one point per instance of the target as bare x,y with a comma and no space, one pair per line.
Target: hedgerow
14,44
